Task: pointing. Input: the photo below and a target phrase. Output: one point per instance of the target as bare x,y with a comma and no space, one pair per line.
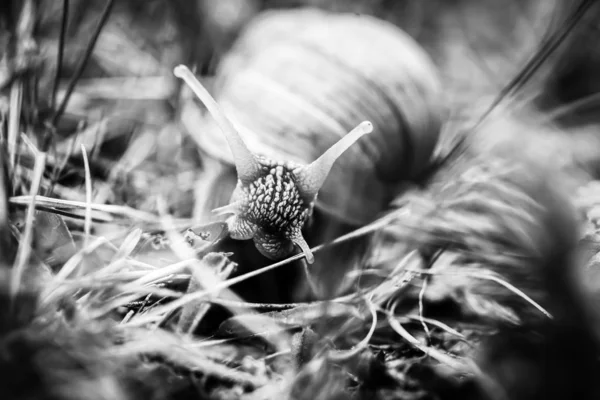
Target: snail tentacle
299,241
246,164
310,178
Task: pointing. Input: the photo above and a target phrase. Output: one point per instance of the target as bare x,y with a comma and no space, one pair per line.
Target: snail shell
296,81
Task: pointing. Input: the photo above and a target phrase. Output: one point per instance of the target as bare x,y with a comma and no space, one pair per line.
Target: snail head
273,199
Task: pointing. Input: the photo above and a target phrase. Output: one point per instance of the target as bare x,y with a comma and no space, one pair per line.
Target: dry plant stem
149,317
30,146
24,249
84,60
430,351
203,343
16,100
117,284
127,317
274,355
571,107
343,355
24,36
533,65
95,218
108,208
4,210
88,197
491,277
182,351
158,87
421,307
154,276
436,323
60,51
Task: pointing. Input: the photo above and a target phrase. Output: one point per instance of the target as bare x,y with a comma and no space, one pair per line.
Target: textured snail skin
270,210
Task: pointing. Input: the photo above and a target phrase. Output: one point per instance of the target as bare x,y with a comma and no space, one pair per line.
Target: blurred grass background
84,320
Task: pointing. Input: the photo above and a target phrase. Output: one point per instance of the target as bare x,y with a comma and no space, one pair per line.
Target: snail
287,93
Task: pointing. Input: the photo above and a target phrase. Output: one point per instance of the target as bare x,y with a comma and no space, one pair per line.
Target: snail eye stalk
310,178
246,164
299,241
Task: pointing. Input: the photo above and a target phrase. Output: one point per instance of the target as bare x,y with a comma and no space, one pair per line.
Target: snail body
293,86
